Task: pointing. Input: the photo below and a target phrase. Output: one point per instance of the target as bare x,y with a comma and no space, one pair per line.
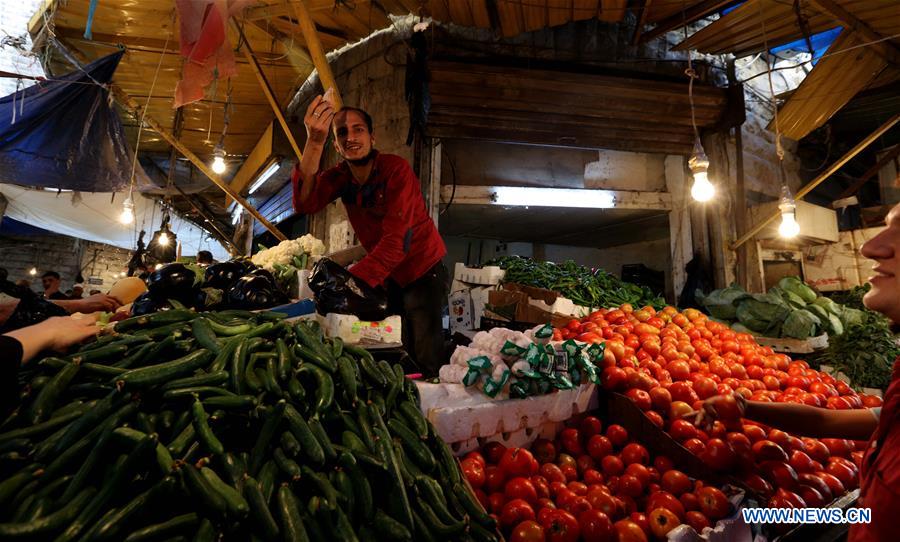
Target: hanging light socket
127,216
702,189
789,227
218,164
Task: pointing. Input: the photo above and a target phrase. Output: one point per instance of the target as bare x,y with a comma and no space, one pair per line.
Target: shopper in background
77,292
25,283
204,257
383,198
19,346
880,471
50,280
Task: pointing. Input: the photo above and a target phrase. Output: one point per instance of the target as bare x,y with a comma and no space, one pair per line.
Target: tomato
493,452
871,401
834,484
629,531
682,430
676,482
640,472
689,501
664,499
528,531
570,472
496,502
599,446
590,426
517,462
482,498
515,511
779,474
612,465
766,450
521,488
662,521
786,499
811,497
617,434
655,418
640,397
695,446
660,398
613,378
811,480
634,453
679,409
566,460
663,463
595,526
474,472
838,447
758,484
494,479
754,432
584,462
571,441
629,485
544,450
577,505
713,503
800,461
697,521
718,455
603,501
592,477
477,457
847,475
541,486
552,473
560,526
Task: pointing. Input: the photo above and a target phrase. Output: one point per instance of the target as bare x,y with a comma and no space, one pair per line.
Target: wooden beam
314,46
852,23
618,199
641,21
688,16
822,177
37,19
267,90
254,163
871,172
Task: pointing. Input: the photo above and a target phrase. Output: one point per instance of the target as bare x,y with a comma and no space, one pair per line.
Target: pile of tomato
590,485
668,363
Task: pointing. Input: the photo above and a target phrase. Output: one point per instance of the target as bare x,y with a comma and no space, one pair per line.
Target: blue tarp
820,43
65,133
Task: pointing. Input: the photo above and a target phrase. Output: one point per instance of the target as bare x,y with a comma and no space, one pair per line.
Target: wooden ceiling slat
585,9
535,14
612,11
439,10
559,12
480,14
459,12
511,22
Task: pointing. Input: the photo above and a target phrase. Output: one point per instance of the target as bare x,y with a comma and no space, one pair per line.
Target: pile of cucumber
226,425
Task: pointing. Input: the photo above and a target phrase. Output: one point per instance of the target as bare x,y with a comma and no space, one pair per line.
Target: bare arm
812,421
54,333
318,119
348,255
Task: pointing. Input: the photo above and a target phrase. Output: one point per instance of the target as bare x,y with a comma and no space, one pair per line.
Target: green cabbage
760,312
833,325
819,311
798,287
852,317
800,324
828,305
722,304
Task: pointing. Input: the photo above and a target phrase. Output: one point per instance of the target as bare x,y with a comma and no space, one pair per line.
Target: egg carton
488,276
517,439
562,305
461,413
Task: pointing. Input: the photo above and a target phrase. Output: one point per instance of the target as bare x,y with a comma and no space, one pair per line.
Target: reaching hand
729,409
57,333
318,119
96,302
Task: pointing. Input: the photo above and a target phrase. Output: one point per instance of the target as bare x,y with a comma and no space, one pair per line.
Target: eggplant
257,290
173,281
223,275
146,303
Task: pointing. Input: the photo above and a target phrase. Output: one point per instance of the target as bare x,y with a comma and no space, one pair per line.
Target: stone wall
14,17
65,255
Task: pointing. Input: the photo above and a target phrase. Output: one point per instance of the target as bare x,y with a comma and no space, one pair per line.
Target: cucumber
321,482
344,530
480,534
251,378
204,432
285,360
324,386
178,524
289,444
111,526
309,445
266,479
287,465
155,319
411,443
422,531
346,496
235,502
143,353
431,491
289,512
389,528
414,418
206,532
163,372
392,462
232,402
238,364
209,500
260,509
270,378
44,403
223,358
47,525
362,489
234,468
315,425
193,391
163,457
472,507
203,379
271,423
347,374
56,421
204,335
81,477
444,531
11,486
295,389
97,354
315,358
350,440
371,371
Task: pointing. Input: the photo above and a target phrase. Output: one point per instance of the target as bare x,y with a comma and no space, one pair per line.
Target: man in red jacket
384,202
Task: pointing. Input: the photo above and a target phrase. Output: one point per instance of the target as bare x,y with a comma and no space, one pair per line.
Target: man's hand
318,119
57,333
729,409
94,303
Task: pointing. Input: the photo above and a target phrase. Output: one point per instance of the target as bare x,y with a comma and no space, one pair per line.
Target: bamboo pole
821,178
311,36
267,90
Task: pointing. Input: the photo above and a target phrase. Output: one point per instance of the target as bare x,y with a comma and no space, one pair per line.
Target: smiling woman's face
352,138
884,248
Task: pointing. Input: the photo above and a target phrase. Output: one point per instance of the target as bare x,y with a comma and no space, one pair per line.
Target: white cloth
93,217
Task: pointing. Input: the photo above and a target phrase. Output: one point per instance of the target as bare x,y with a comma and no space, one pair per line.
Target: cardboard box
839,266
460,305
352,330
525,310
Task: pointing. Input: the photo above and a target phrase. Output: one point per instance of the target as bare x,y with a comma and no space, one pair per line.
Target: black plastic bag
256,290
338,291
32,308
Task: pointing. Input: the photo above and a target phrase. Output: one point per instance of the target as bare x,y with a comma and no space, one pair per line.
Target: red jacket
388,215
880,473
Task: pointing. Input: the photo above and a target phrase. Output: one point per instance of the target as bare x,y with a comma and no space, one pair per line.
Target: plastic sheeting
66,133
95,218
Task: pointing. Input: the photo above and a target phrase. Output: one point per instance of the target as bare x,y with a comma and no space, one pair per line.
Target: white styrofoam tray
489,276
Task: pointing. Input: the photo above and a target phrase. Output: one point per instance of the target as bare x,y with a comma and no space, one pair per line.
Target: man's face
884,248
50,283
77,291
352,138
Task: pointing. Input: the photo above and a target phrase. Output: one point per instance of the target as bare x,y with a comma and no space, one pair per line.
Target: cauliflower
285,251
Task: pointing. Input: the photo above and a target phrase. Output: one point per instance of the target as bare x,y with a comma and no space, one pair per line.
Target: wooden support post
680,245
310,35
822,177
267,90
135,108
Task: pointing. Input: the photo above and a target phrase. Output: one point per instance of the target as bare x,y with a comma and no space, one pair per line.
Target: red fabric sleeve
396,229
325,190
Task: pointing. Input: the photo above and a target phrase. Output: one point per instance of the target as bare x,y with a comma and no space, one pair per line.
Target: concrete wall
65,255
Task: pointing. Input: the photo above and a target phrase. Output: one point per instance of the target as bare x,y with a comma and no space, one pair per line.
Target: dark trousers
421,306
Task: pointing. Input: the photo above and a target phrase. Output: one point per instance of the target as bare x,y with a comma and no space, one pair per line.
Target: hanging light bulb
702,189
32,271
789,227
163,239
218,163
127,216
